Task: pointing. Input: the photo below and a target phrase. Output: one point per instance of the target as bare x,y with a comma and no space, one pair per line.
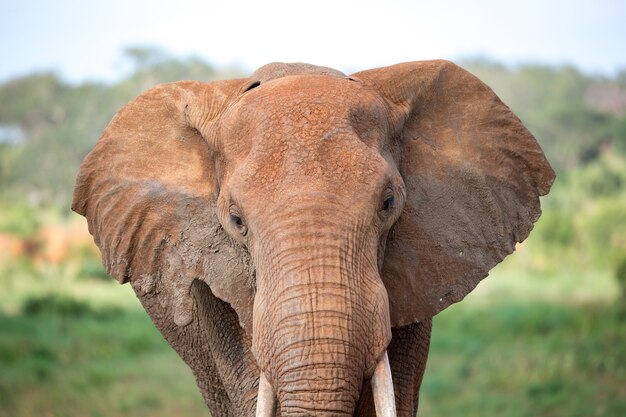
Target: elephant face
324,209
308,185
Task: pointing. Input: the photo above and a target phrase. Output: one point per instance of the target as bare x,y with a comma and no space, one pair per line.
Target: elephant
293,233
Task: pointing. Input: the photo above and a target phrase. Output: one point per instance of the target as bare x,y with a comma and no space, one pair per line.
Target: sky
84,40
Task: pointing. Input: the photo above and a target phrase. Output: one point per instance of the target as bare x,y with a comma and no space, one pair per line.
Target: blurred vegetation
47,125
545,336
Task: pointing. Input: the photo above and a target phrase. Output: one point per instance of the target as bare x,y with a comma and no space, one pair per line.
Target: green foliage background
546,335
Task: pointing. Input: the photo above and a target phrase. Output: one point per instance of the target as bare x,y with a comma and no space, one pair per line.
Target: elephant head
324,209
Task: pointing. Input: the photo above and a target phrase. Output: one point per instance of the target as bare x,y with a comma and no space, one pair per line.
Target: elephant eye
237,222
387,204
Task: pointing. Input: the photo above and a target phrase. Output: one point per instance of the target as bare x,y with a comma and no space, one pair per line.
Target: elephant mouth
382,390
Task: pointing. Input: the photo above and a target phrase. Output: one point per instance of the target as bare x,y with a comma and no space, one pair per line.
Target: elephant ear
148,191
473,176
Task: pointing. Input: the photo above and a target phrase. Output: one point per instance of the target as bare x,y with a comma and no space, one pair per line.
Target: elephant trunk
321,323
318,373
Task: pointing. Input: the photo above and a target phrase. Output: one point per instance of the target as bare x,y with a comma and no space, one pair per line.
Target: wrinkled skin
300,223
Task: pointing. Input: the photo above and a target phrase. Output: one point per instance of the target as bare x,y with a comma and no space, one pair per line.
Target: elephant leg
408,352
184,340
230,348
213,345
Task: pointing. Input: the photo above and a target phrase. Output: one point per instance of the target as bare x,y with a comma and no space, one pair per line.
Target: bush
620,275
18,219
604,230
55,304
64,306
555,228
603,177
92,268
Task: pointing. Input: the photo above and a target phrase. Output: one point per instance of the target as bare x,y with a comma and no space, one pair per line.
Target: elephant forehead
309,107
335,163
311,131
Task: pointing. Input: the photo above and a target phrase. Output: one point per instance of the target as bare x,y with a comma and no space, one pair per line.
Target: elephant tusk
266,400
382,388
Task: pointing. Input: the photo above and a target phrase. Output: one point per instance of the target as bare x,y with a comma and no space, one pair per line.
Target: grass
522,359
90,363
523,343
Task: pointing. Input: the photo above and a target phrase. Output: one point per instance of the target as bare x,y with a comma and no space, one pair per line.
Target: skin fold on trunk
382,388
